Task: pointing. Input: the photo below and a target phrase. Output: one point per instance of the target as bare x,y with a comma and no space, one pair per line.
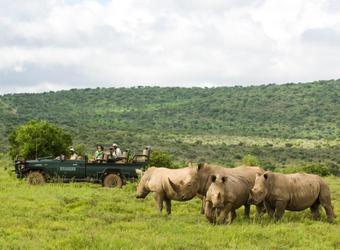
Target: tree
38,138
160,159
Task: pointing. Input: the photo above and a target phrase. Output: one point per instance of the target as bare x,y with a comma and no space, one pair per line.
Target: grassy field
88,216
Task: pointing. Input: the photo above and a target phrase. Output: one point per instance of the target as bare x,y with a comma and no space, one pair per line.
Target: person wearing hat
73,154
116,151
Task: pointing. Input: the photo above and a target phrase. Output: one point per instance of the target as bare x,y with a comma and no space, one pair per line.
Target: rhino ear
174,186
213,178
224,179
265,175
200,166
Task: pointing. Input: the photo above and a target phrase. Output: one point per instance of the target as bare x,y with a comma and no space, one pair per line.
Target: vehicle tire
112,180
35,178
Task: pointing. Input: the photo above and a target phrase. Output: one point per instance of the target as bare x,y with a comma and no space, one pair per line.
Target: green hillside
183,120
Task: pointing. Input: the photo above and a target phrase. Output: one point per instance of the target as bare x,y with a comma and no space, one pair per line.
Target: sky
49,45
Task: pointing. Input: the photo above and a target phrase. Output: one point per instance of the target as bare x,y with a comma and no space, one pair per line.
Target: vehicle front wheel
35,178
112,180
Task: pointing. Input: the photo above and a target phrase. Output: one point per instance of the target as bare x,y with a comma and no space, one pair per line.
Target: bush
317,169
160,159
335,169
268,166
80,149
289,170
38,139
250,160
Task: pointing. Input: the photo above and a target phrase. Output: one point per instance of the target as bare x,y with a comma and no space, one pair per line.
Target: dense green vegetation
289,111
38,138
281,125
88,216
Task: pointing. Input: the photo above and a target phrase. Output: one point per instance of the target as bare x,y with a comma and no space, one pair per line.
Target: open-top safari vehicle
112,173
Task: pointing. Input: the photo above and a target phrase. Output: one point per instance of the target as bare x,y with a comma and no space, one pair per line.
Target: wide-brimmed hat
114,145
72,149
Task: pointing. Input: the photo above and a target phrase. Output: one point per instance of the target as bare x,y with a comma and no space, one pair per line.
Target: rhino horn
175,187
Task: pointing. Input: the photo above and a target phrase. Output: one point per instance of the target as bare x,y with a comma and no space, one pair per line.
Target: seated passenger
116,151
60,158
146,151
99,154
110,156
73,154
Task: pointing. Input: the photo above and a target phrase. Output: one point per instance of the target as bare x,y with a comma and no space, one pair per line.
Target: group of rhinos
223,190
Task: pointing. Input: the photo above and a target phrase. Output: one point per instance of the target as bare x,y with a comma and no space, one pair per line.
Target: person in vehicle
116,151
110,155
99,154
73,154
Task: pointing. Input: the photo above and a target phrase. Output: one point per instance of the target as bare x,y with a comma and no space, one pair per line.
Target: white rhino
293,192
169,184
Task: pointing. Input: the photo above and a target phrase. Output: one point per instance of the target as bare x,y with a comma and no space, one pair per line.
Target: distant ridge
310,110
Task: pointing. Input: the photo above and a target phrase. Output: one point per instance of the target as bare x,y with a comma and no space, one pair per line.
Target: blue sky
62,44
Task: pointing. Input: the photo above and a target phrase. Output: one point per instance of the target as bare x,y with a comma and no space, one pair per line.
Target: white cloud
53,44
43,87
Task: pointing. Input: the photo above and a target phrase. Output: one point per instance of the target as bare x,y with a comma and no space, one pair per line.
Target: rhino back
248,172
300,190
236,190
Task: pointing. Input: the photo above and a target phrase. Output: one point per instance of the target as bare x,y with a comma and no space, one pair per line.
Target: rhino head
142,188
215,193
187,188
260,190
185,191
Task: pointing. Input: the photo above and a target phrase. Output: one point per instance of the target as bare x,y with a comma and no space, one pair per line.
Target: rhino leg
224,213
232,216
159,198
315,210
203,204
246,211
168,206
209,213
279,210
325,200
270,210
260,210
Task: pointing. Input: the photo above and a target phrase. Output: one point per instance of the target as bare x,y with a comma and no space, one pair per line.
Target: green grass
88,216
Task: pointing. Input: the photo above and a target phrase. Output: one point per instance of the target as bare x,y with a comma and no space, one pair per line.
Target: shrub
38,138
250,160
268,166
80,149
160,158
317,169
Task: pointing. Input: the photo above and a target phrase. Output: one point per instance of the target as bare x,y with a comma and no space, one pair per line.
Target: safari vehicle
109,173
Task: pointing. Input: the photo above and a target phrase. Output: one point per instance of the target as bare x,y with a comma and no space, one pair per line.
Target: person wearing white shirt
116,151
